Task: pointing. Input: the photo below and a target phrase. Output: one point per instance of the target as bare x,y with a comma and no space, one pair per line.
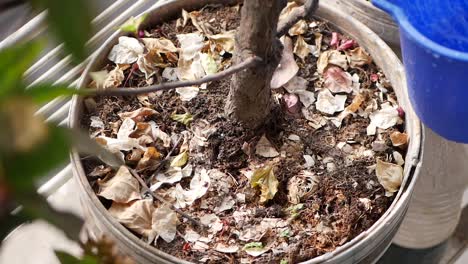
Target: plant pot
377,20
365,248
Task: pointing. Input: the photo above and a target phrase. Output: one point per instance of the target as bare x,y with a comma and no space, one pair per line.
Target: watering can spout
434,43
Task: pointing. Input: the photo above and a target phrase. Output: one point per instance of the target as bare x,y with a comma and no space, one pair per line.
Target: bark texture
249,97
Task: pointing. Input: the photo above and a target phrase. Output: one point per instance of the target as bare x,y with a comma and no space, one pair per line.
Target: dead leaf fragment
299,28
126,51
399,139
358,57
266,179
165,223
301,48
224,41
390,176
385,118
122,188
187,93
265,148
136,216
138,115
301,186
329,104
337,80
198,187
287,67
160,45
333,57
223,248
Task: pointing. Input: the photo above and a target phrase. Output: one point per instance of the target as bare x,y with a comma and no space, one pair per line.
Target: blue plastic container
434,42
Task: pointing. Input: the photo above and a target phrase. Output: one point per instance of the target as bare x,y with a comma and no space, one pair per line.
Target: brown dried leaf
159,45
301,48
122,188
266,179
299,28
399,139
331,57
390,176
265,148
138,115
136,216
358,57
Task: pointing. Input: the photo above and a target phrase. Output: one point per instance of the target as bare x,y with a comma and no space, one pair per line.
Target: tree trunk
250,96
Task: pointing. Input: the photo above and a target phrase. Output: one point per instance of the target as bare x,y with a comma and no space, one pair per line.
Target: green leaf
43,93
266,180
284,261
133,24
71,22
66,258
185,119
14,61
180,160
253,245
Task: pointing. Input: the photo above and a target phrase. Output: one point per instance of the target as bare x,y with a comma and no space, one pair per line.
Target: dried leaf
96,122
390,176
337,80
170,74
298,86
385,118
159,45
287,68
180,160
265,148
127,51
299,28
198,187
224,41
150,63
185,119
187,93
329,104
358,57
223,248
213,222
138,115
171,176
301,186
136,216
165,223
292,103
159,134
301,48
266,179
122,188
333,57
190,45
190,70
150,158
399,139
398,158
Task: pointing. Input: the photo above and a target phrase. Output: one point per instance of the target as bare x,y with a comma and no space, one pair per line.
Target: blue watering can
434,42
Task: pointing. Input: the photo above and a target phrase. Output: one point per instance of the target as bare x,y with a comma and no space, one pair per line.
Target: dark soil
335,203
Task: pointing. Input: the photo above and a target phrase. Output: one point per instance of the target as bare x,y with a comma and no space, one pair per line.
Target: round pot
365,248
377,20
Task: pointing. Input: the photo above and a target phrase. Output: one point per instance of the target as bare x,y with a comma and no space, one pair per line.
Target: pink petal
291,102
335,39
347,45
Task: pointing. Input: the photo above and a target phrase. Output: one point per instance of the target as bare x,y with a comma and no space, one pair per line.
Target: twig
299,13
248,63
162,200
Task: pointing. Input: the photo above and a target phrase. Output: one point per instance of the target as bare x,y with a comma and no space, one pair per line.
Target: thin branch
162,200
248,63
305,11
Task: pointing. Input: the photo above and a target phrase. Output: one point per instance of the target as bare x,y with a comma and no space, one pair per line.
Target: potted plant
309,172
